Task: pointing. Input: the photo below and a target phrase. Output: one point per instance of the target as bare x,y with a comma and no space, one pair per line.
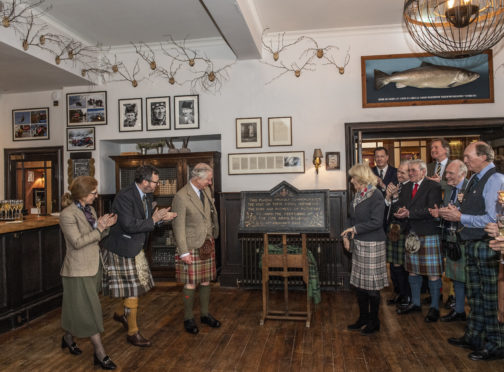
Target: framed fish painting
423,79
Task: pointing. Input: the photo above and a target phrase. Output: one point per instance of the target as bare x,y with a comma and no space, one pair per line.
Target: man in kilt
127,273
395,239
418,196
195,229
483,333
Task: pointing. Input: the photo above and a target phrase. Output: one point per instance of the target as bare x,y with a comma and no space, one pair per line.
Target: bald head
455,172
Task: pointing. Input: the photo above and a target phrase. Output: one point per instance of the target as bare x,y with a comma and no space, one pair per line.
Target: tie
453,196
472,184
381,173
202,197
438,169
144,202
415,189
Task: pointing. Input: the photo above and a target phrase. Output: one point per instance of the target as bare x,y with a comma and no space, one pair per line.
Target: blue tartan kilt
395,251
428,260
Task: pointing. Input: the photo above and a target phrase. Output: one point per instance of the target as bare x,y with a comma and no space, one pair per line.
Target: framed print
266,162
86,108
130,115
280,131
80,164
80,139
158,113
186,112
30,124
422,79
332,160
248,133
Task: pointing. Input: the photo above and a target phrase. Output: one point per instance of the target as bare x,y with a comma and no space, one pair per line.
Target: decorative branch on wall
29,36
280,44
341,69
294,68
148,56
170,73
18,12
210,80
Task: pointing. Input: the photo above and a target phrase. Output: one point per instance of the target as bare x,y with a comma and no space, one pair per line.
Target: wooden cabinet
174,173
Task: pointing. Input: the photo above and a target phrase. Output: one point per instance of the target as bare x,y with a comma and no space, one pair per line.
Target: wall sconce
317,159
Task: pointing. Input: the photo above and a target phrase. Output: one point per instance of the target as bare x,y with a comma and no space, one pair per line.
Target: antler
280,45
341,69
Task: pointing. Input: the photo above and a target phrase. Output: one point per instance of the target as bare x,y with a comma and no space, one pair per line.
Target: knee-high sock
415,282
131,305
435,287
395,276
374,301
363,301
204,295
404,287
188,295
459,288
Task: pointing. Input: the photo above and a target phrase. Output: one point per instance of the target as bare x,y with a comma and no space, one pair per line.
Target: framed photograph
158,113
80,164
86,108
80,139
186,112
130,115
332,160
266,162
30,124
280,131
422,79
248,133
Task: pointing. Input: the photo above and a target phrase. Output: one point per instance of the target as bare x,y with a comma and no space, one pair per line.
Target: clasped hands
105,221
163,214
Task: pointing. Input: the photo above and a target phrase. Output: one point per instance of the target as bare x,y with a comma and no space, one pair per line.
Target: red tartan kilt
200,271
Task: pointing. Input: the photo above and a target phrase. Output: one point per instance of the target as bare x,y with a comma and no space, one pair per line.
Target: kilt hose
126,277
428,260
200,271
482,271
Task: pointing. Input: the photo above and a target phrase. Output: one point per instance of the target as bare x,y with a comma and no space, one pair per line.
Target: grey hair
462,167
420,162
201,171
483,148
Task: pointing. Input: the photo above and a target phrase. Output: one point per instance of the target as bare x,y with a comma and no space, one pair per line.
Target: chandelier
455,28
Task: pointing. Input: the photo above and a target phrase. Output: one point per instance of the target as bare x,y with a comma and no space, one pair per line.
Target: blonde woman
369,270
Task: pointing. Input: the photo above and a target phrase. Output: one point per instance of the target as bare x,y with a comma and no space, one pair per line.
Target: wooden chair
284,262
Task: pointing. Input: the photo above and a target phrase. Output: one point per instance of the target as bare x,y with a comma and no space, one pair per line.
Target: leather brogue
485,354
121,319
453,316
403,301
106,363
462,342
432,315
410,308
211,321
190,326
72,348
138,340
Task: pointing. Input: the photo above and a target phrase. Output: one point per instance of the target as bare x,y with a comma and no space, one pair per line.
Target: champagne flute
7,209
20,209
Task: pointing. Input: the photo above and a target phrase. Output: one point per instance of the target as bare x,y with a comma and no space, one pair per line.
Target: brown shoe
121,319
138,340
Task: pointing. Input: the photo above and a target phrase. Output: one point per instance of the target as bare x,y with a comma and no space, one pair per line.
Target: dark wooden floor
404,343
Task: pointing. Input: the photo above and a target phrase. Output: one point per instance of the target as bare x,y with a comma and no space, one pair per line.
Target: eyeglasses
154,182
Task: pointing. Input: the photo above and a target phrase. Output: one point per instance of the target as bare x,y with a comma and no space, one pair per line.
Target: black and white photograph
130,115
86,108
248,133
158,113
30,124
280,131
80,139
266,162
186,112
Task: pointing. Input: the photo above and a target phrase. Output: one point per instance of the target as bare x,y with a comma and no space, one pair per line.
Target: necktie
415,189
202,197
381,173
453,196
472,184
438,169
144,202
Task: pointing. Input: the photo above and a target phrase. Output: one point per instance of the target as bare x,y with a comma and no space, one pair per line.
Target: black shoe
106,363
210,320
410,308
453,316
462,342
403,301
485,354
73,348
450,302
361,322
372,327
190,326
432,315
121,319
393,300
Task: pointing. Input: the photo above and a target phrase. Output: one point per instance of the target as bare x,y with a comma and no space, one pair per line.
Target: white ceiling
238,22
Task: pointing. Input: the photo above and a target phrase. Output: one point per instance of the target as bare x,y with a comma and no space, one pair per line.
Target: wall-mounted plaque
285,209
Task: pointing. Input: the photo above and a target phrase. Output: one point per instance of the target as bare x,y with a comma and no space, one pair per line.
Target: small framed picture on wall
186,112
89,108
158,113
248,133
130,115
280,131
30,124
81,139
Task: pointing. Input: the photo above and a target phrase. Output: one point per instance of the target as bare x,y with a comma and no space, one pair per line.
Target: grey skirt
81,312
369,266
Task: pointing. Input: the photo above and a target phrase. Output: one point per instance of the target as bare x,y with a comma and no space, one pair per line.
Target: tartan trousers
482,270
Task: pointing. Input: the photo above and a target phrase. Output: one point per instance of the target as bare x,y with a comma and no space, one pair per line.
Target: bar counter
31,255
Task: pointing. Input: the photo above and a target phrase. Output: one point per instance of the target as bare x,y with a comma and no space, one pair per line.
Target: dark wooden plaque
284,209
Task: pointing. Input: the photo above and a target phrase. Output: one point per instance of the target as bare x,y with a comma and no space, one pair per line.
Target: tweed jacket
194,223
82,250
420,220
129,235
367,218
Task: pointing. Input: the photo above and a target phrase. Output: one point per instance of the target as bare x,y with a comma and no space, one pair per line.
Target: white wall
319,102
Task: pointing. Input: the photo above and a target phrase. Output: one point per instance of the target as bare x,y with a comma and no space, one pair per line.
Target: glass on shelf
38,203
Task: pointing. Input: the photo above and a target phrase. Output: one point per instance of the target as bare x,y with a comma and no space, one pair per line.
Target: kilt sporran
206,250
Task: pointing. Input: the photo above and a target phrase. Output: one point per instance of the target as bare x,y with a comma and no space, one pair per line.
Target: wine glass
38,203
7,209
20,206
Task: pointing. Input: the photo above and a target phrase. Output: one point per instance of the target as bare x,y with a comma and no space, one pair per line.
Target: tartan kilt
126,277
369,266
395,251
428,260
200,271
456,269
